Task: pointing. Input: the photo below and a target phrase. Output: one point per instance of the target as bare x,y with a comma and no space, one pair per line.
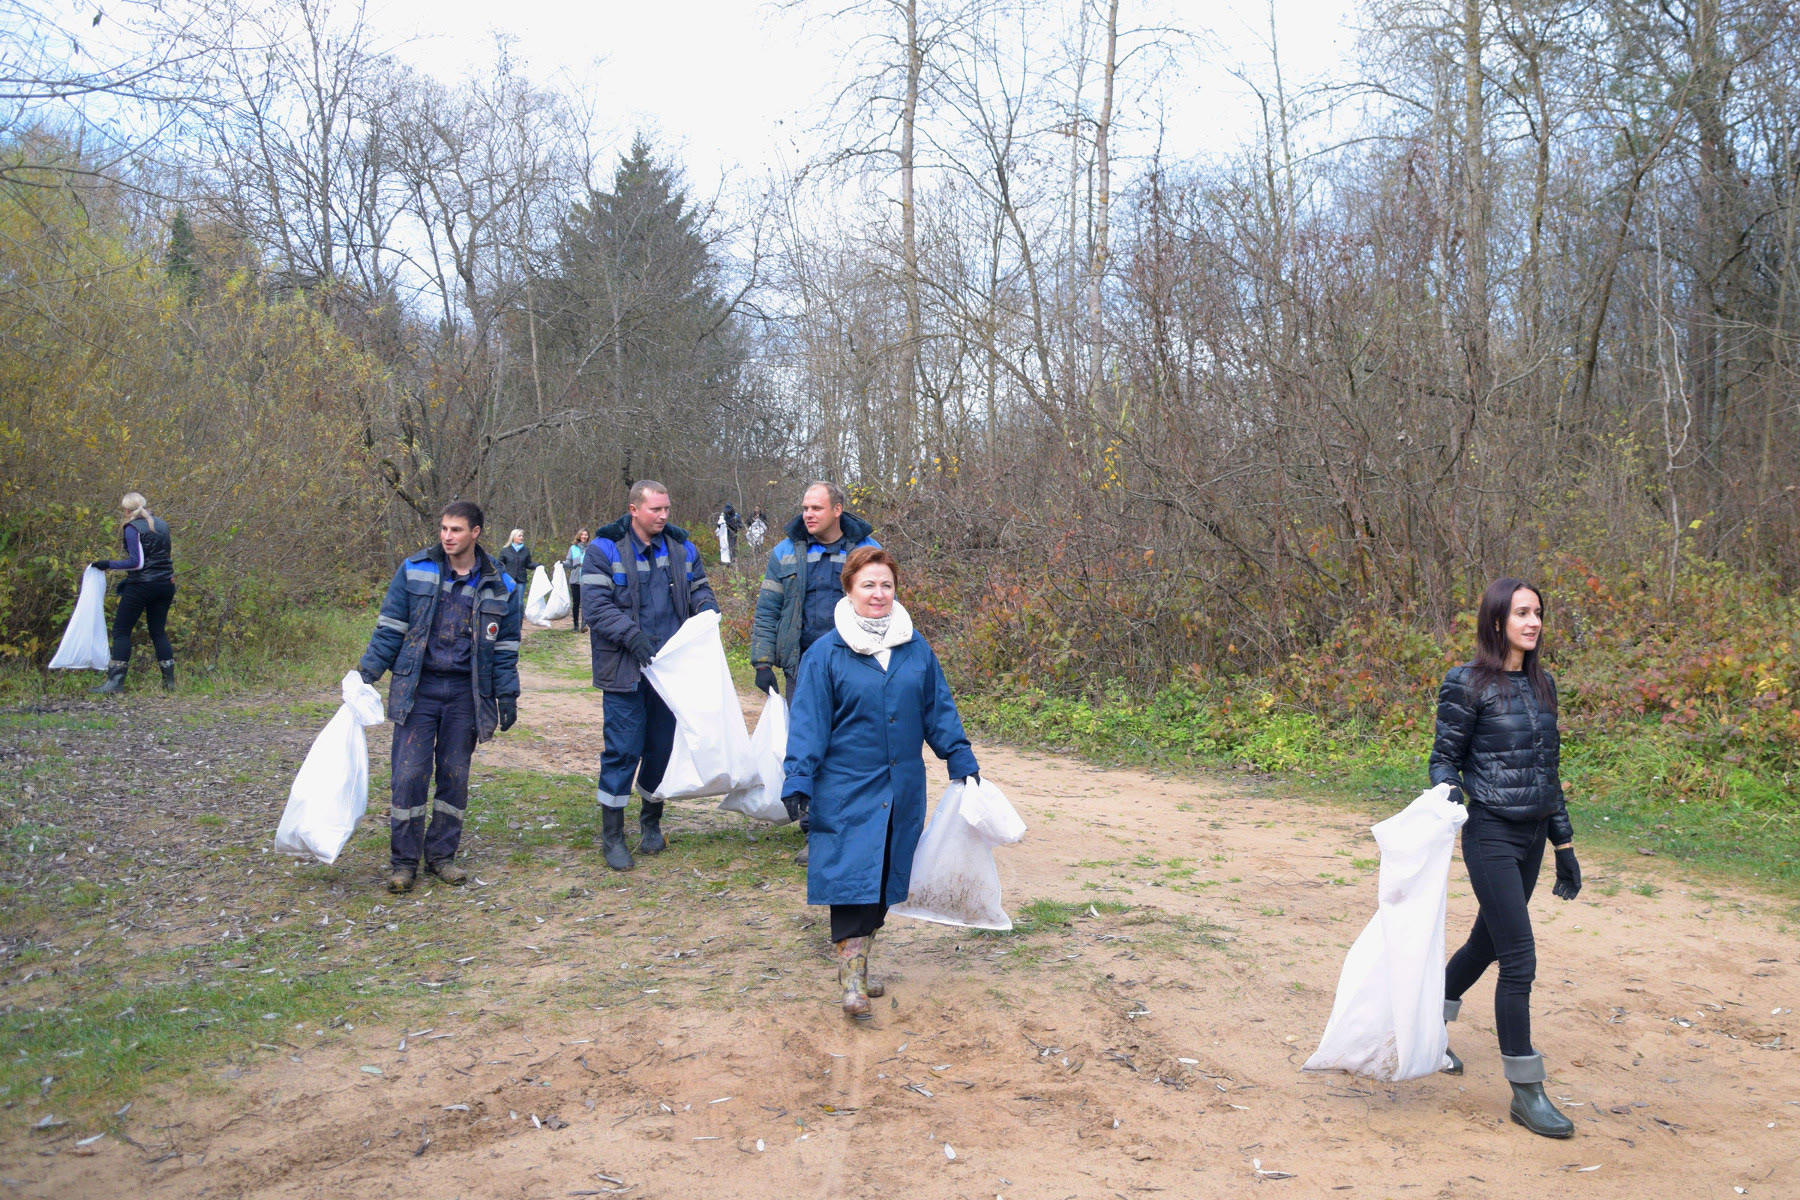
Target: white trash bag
711,755
954,880
1387,1022
761,800
724,532
557,606
331,792
85,646
537,598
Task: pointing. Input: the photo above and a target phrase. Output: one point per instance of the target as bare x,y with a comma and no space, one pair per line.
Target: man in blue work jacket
640,580
449,631
800,591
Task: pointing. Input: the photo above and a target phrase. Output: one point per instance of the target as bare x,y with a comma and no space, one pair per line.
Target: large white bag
724,532
84,644
711,755
537,598
1388,1019
331,792
954,880
761,799
557,606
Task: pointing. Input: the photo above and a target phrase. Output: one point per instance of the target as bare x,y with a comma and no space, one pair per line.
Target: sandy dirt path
1150,1049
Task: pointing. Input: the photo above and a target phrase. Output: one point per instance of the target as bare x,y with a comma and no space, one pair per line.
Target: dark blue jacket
781,604
855,746
404,627
611,601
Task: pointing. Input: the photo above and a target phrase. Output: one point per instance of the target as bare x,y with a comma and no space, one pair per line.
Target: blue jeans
1503,858
639,731
440,733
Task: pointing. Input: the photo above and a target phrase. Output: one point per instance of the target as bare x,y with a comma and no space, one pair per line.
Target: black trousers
1503,858
150,601
574,602
861,920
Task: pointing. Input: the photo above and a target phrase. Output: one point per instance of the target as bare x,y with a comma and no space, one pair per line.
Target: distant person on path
515,558
800,590
148,591
1498,746
572,565
757,530
734,525
871,695
640,580
449,631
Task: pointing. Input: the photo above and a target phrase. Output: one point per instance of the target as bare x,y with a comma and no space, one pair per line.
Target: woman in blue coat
870,696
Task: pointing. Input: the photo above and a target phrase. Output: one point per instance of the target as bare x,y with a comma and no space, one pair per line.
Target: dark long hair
1491,645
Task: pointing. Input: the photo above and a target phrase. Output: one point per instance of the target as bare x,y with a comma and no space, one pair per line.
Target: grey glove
641,648
368,678
796,806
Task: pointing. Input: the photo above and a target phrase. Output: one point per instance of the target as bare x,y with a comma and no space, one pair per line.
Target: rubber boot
115,678
871,987
1454,1067
1530,1107
168,672
853,964
449,872
401,880
612,838
650,835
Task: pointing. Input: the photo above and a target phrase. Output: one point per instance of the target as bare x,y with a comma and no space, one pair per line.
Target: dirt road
671,1032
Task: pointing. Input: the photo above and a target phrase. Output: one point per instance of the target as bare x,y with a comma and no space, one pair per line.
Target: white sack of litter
537,598
954,880
556,607
84,645
1387,1022
711,755
331,792
761,800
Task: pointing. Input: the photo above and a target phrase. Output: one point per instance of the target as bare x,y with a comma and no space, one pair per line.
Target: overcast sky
731,85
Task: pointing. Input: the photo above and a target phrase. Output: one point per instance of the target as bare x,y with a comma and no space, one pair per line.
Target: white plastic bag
84,644
724,532
557,606
711,755
761,799
954,880
537,598
331,792
1387,1022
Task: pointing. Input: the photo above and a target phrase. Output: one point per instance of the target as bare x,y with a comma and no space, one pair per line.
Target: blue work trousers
639,731
439,733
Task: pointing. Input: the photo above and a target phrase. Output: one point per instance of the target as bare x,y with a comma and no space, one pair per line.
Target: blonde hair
134,506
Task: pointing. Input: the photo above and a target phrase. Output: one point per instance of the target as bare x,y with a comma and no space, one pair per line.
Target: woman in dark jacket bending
869,697
1498,746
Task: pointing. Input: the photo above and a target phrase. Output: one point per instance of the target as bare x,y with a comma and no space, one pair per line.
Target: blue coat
404,626
854,746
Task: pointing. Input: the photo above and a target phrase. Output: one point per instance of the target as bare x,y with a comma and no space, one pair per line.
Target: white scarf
876,637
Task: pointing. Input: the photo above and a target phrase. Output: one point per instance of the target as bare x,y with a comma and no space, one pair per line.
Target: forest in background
1237,435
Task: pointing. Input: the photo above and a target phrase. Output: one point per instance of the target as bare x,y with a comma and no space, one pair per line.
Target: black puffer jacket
1502,748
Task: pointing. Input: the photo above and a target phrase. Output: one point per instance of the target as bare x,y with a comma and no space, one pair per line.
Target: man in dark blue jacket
449,631
800,591
640,580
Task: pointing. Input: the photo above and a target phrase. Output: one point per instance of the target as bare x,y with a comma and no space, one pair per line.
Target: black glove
641,648
509,711
765,681
99,564
367,677
1456,796
1568,875
796,806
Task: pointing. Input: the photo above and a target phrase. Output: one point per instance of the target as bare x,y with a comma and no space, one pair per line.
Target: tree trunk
909,247
1102,205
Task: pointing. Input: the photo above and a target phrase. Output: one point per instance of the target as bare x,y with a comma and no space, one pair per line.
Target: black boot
168,670
115,677
612,839
650,836
1452,1065
1530,1107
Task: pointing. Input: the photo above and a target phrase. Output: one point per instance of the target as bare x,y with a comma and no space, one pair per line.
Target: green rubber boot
1530,1107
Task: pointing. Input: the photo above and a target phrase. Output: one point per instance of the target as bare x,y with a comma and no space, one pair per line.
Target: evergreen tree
180,260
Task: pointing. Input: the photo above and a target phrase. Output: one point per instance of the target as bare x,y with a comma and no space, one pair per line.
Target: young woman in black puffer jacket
1498,746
